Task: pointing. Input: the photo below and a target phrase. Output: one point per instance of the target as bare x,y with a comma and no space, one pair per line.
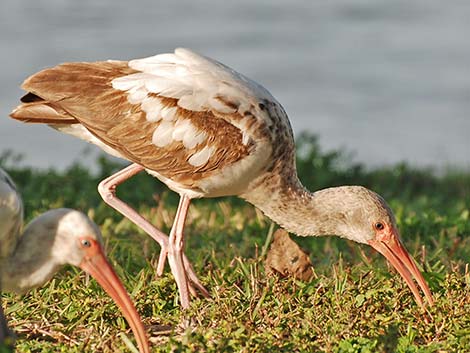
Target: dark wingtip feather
30,97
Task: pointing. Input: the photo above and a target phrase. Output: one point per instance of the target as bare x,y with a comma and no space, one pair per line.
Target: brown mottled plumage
206,131
91,101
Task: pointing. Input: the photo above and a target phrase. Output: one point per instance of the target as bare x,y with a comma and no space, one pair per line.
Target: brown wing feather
35,110
83,91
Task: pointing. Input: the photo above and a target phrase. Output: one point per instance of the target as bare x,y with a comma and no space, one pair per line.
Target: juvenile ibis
205,131
52,240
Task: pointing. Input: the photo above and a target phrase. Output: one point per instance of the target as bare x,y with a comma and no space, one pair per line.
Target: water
387,80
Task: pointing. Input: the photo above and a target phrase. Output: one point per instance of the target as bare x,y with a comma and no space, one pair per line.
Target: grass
353,305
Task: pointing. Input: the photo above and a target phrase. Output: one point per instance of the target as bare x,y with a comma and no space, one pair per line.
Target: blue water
389,81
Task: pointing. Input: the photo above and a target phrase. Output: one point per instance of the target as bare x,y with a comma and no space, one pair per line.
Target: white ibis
205,131
52,240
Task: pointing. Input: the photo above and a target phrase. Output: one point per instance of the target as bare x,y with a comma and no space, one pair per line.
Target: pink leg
176,250
107,190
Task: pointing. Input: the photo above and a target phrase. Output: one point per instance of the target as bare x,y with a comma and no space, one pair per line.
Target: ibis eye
86,243
379,226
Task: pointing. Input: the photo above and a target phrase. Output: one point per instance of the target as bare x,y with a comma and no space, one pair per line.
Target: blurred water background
386,80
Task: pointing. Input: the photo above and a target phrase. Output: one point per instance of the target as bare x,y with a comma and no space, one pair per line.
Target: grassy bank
354,304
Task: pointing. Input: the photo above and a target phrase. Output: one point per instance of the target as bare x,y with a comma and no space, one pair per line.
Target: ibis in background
52,240
204,130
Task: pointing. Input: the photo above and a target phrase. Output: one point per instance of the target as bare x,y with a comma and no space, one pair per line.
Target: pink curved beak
390,246
98,266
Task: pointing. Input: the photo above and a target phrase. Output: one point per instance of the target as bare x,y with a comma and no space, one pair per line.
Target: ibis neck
30,265
288,203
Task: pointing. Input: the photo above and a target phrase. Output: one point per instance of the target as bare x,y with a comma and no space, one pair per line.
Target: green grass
353,305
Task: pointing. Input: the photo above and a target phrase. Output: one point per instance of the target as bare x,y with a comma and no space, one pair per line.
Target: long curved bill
98,266
390,246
